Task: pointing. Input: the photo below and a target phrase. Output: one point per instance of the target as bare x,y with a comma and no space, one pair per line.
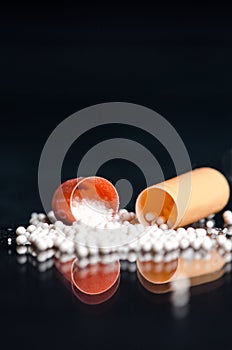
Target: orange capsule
89,188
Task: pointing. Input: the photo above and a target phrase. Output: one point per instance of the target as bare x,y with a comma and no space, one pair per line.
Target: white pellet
164,227
210,223
157,246
146,246
221,240
207,243
181,230
227,213
21,240
41,216
40,244
168,245
191,229
196,244
82,251
20,230
184,243
201,232
132,257
160,220
42,256
31,228
149,216
228,245
21,249
169,223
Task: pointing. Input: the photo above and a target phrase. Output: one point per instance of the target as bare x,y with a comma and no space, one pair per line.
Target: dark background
55,60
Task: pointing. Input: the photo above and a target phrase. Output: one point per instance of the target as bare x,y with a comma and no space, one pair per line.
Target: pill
149,216
20,230
21,240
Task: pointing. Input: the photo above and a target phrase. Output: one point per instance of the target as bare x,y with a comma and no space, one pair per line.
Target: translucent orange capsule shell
90,188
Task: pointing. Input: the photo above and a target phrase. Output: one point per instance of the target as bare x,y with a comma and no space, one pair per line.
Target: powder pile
95,214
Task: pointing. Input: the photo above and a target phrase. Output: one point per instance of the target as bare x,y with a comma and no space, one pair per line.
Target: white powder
91,212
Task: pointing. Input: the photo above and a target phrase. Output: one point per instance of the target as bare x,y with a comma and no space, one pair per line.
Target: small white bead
126,223
110,225
228,245
139,227
157,246
58,241
134,246
40,244
20,230
125,216
105,250
160,220
149,216
175,244
106,259
169,223
221,240
227,257
65,246
132,267
45,225
191,237
201,232
196,244
31,228
181,230
50,243
82,251
184,243
122,211
21,250
34,222
164,227
168,246
50,253
41,216
51,216
58,224
147,246
190,229
210,223
227,213
228,220
21,240
132,257
207,243
93,250
94,259
83,263
41,257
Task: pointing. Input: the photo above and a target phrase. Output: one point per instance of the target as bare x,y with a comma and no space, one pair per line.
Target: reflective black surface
42,305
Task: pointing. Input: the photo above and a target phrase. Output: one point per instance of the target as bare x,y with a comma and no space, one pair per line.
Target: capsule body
186,198
90,188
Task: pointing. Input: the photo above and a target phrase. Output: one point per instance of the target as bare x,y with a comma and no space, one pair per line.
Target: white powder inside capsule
92,212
